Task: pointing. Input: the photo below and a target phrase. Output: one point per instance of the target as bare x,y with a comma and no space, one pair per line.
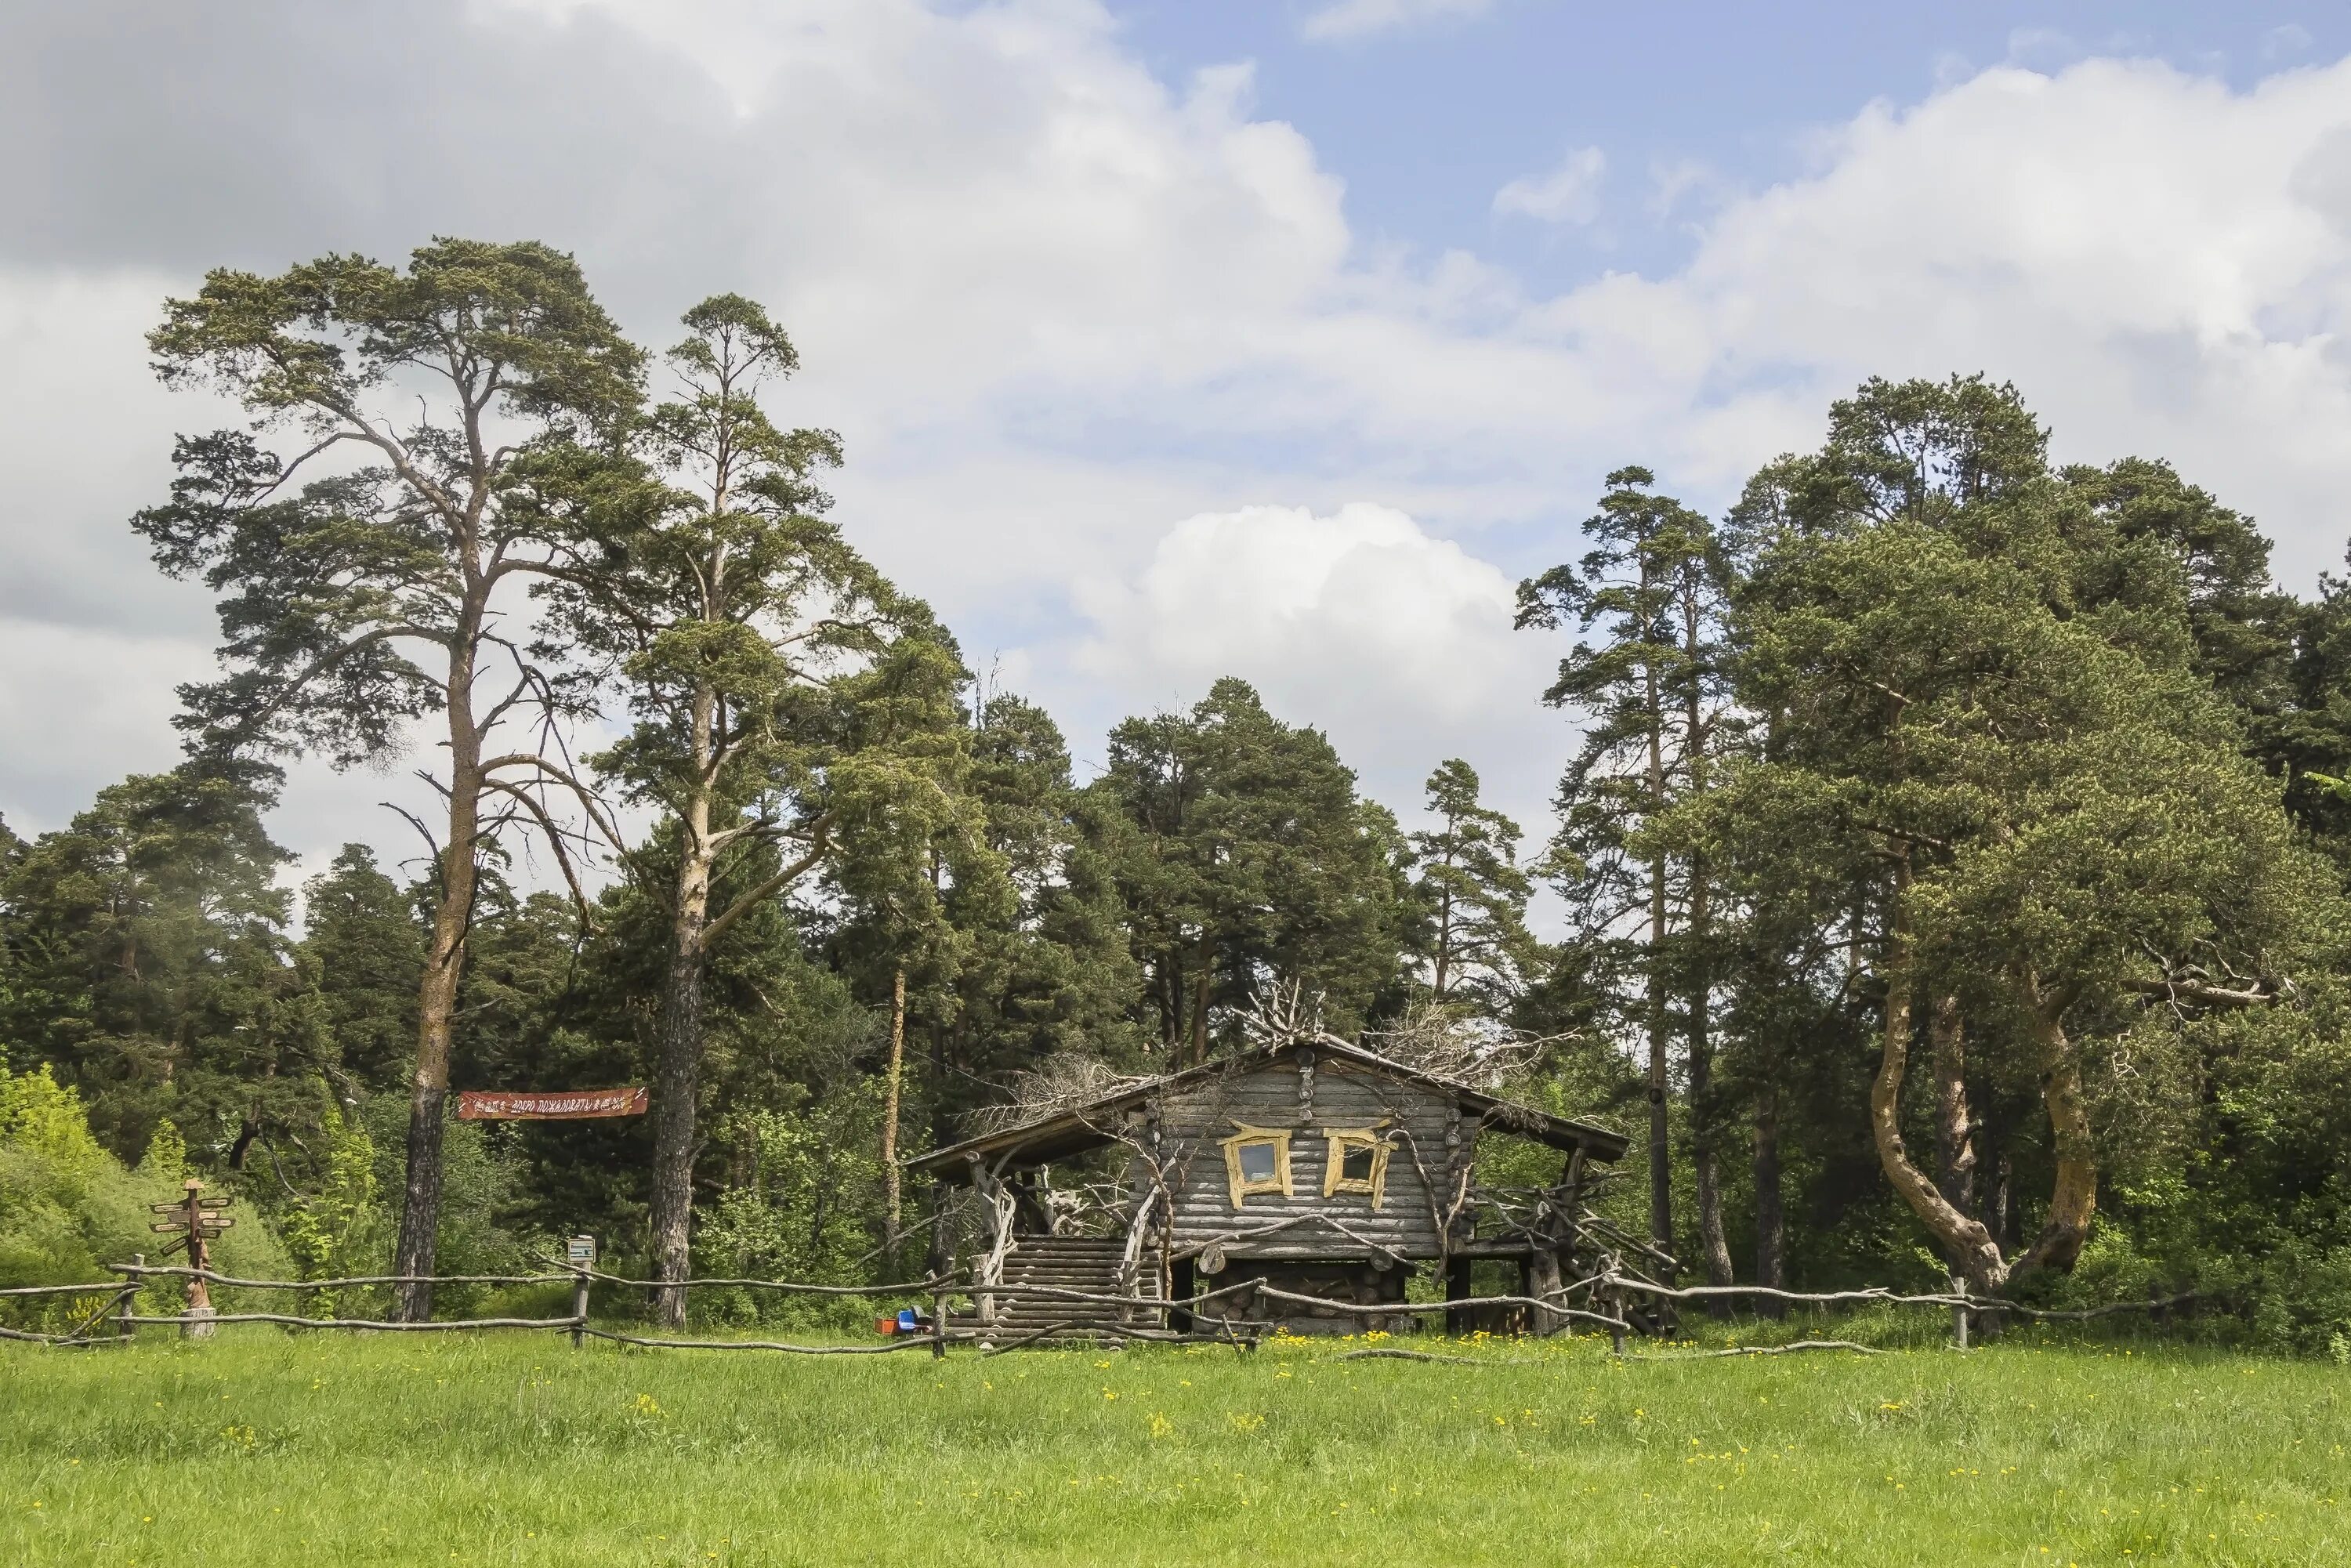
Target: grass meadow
260,1449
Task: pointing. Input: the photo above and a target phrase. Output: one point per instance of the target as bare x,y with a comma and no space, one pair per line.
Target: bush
68,1207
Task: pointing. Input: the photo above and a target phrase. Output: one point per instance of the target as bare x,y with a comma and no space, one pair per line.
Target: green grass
256,1449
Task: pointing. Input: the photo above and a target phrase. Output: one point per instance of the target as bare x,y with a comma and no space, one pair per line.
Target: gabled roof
1061,1133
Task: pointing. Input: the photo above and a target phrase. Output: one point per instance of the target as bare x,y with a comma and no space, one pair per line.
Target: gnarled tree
369,561
2038,792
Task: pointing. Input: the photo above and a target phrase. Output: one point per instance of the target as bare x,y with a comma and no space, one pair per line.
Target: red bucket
885,1325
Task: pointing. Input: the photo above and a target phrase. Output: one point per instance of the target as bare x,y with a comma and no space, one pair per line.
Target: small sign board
580,1252
550,1105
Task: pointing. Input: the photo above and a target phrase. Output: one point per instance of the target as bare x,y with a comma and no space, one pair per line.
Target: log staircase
1085,1263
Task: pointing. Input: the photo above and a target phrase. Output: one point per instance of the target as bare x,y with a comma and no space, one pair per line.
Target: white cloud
2042,46
2285,40
1673,181
1054,304
1397,642
2162,265
1362,18
1569,193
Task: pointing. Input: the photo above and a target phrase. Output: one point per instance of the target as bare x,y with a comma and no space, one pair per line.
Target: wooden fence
115,1320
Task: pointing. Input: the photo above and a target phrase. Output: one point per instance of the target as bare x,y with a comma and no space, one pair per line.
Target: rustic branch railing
1964,1305
1214,1314
922,1287
1422,1309
210,1277
373,1325
901,1342
1878,1294
106,1287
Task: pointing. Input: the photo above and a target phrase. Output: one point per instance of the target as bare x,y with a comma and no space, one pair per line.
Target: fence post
1959,1315
581,1255
127,1304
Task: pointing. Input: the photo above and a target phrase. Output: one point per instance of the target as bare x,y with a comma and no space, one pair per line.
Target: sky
1173,338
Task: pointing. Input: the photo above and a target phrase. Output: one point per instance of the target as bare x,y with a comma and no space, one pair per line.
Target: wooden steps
1087,1264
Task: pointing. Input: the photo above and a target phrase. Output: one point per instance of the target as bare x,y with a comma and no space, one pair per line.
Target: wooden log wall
1307,1100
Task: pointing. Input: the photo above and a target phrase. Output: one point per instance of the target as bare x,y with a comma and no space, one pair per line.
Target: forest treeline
1953,859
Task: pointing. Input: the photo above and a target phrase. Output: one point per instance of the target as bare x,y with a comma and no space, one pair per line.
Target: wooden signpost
195,1222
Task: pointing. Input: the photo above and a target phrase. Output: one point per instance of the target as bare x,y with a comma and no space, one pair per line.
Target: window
1357,1161
1257,1160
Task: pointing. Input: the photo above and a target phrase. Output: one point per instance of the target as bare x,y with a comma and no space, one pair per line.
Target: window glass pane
1355,1162
1257,1161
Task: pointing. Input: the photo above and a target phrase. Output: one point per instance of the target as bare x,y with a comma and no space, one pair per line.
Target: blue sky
1426,119
1175,339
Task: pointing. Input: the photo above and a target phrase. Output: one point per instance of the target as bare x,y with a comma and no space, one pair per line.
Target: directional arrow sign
167,1207
167,1227
215,1222
212,1203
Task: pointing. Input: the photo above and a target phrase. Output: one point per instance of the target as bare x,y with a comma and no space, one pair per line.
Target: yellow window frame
1241,1186
1337,1142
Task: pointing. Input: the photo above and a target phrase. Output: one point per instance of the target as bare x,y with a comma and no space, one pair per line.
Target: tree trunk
436,1005
1962,1237
1200,1003
1443,944
2004,1200
1955,1147
1661,1169
890,1183
1771,1218
677,1082
942,1128
1712,1240
2074,1198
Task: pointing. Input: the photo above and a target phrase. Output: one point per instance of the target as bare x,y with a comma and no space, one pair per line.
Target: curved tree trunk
1955,1147
1962,1237
2073,1201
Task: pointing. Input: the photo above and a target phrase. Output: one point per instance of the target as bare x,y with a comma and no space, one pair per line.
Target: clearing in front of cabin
257,1447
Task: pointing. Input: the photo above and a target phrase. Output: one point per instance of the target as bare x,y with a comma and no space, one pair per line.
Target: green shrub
68,1207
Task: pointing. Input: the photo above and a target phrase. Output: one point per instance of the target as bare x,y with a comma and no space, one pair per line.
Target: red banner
548,1105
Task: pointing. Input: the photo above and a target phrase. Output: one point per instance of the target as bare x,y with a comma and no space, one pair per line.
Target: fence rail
1211,1312
181,1271
1881,1294
903,1288
101,1288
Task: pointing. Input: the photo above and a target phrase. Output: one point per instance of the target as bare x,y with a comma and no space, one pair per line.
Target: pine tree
353,602
1473,894
150,965
2036,794
363,944
1245,857
1651,695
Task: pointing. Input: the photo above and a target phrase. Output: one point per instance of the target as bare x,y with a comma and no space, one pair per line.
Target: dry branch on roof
1447,1043
1059,1083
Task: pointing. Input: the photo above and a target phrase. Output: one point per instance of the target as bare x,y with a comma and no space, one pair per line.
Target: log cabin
1314,1165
